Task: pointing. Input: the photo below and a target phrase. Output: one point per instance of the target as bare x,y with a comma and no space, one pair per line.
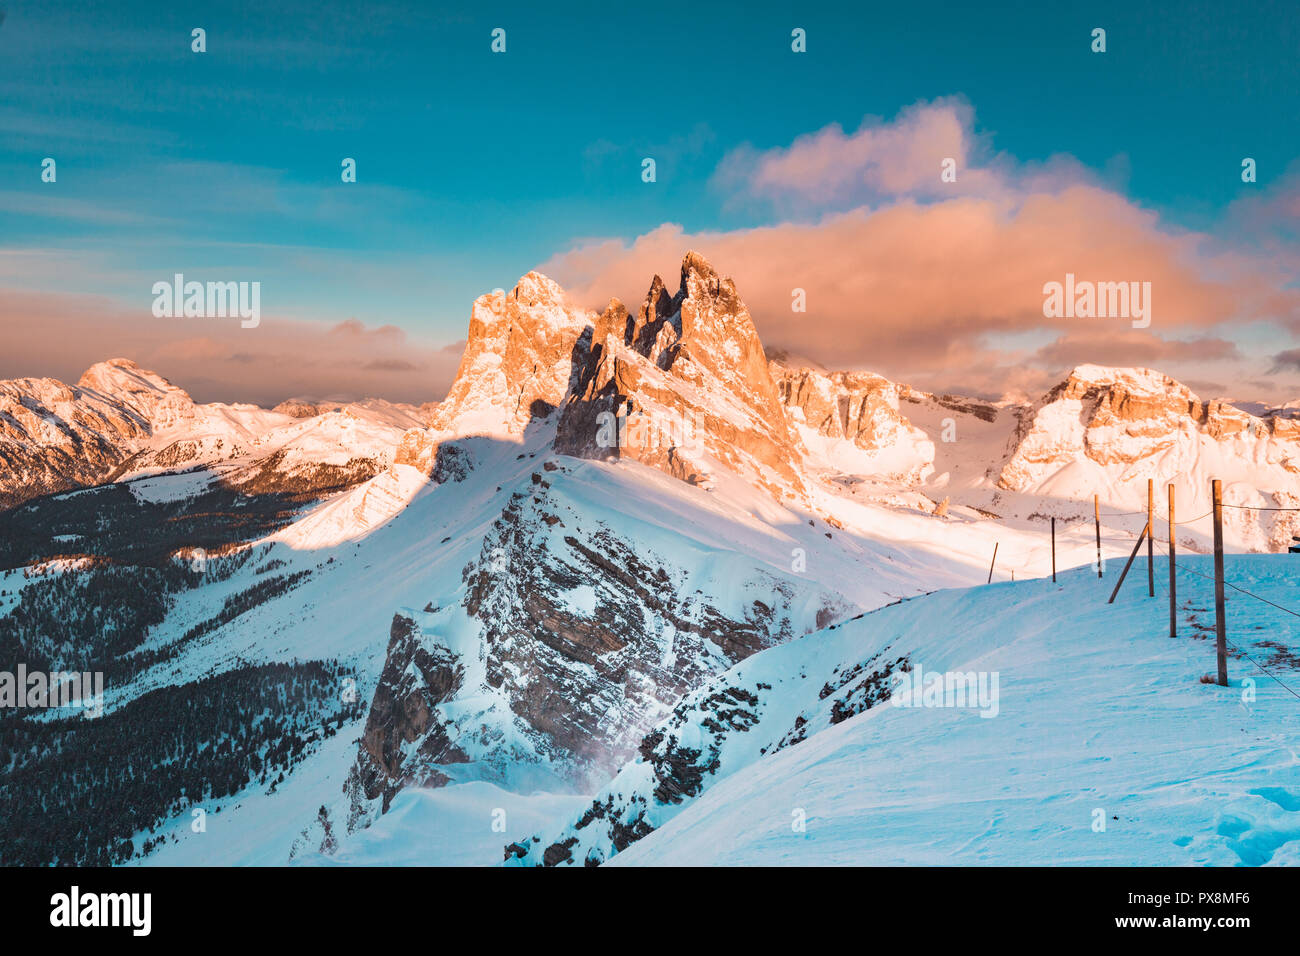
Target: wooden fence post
1220,626
1053,550
1173,583
1128,564
993,562
1151,537
1096,517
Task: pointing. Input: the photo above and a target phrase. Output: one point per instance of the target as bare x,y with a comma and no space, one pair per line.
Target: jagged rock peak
701,281
658,298
614,321
694,262
536,289
517,360
689,380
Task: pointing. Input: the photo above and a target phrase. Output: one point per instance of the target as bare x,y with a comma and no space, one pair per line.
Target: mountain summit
518,359
683,386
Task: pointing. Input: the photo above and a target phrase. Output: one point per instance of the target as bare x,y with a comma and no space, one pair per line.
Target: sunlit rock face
684,386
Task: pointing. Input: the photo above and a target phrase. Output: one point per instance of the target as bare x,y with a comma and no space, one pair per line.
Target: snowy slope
460,825
379,550
1099,716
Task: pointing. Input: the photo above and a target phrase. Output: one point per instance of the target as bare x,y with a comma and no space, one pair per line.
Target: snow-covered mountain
627,555
1111,429
684,386
121,422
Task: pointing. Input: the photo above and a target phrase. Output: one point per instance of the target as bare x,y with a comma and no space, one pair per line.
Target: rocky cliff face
683,386
405,739
862,409
440,459
592,635
1127,417
518,360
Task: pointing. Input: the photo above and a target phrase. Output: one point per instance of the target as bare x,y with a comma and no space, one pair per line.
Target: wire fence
1264,670
1068,524
1258,508
1065,524
1229,584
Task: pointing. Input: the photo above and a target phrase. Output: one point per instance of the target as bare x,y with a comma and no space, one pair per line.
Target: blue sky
474,167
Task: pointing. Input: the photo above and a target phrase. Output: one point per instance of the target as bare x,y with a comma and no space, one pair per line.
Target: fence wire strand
1229,584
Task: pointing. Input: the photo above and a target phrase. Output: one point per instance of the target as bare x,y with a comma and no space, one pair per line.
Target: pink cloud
1133,348
912,289
60,336
895,159
930,282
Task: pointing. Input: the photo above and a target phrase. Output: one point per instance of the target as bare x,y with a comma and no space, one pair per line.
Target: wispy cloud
1287,361
831,168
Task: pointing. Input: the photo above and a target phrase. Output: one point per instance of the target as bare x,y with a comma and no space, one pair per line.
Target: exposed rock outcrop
442,460
1124,417
860,408
518,360
592,636
417,677
683,386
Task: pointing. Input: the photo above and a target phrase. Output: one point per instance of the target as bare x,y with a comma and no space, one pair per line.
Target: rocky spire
690,385
518,358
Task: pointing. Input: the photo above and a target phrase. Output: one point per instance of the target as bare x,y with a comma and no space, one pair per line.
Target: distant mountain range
524,586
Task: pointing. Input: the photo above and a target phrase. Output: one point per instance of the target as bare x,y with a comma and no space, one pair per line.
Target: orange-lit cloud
935,289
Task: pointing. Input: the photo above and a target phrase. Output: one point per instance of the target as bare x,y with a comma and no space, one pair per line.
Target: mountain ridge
684,385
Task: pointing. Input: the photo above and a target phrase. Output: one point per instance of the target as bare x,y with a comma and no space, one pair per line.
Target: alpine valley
638,592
